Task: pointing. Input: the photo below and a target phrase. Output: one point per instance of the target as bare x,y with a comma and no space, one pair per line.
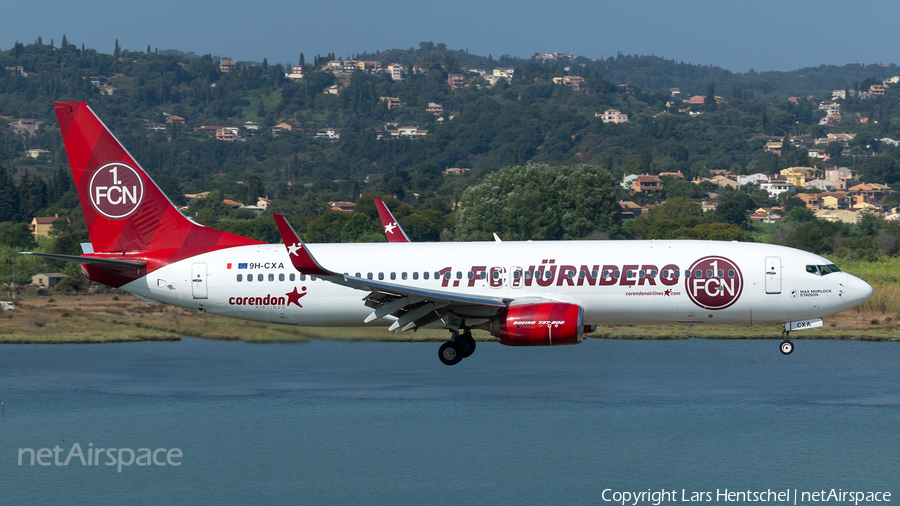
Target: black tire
449,353
466,344
787,347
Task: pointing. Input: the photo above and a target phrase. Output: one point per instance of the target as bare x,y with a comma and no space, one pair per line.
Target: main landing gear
457,348
787,347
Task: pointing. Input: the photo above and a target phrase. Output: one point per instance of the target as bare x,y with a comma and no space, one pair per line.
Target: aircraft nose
857,290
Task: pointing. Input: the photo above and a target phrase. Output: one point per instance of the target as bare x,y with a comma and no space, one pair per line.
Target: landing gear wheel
449,353
787,347
466,345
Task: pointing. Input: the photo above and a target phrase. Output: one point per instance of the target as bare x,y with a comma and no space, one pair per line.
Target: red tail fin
392,229
124,209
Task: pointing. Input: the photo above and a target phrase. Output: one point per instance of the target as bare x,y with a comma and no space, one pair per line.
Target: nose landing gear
457,348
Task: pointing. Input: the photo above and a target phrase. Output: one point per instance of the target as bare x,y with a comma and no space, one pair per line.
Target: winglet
297,251
391,226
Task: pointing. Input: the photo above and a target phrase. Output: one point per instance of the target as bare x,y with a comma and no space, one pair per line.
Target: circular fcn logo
714,282
116,190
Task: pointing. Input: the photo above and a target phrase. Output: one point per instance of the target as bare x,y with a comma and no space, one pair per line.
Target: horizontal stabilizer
109,263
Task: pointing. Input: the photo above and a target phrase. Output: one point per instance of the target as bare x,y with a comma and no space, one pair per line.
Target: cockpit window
822,270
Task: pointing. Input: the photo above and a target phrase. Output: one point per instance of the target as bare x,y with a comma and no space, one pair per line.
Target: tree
880,169
541,202
116,51
733,212
710,100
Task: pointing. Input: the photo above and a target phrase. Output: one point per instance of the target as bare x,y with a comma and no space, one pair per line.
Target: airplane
392,229
535,293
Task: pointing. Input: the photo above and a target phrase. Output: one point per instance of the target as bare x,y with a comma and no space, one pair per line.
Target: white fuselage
743,283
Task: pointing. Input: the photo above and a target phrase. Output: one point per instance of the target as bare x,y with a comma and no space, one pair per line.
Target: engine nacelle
544,324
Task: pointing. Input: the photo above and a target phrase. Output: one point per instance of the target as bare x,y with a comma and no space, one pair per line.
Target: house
776,185
646,183
227,134
573,82
836,94
279,127
328,134
47,279
871,193
752,178
192,196
171,120
818,154
765,215
454,171
676,175
457,81
841,137
232,203
249,125
435,109
800,175
504,72
263,203
612,116
40,227
697,100
830,107
835,200
774,147
396,70
227,66
821,185
840,176
674,91
107,89
25,126
838,215
334,89
811,200
409,132
876,89
392,102
889,141
297,72
628,209
36,153
346,207
724,182
626,181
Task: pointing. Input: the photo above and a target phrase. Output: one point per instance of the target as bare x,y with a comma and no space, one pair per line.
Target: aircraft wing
392,229
413,306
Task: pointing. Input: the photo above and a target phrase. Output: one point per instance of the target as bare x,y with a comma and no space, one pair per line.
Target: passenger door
198,280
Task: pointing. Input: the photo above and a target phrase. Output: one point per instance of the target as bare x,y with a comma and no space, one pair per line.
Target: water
386,423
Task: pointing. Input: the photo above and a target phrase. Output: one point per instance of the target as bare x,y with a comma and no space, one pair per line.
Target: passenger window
303,277
447,275
249,277
482,275
548,274
271,277
403,276
617,273
720,273
458,274
393,276
665,273
240,277
677,273
425,275
581,274
687,273
527,274
259,277
642,273
730,273
312,278
652,274
699,274
708,273
281,277
470,275
292,277
593,274
369,275
516,274
495,275
416,275
380,276
359,275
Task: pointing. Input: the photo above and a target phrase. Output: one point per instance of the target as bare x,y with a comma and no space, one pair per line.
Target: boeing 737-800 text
525,293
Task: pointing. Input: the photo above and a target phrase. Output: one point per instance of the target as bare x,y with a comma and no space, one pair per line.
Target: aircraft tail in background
391,228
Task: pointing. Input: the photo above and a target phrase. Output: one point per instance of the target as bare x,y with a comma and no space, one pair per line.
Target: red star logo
294,297
668,293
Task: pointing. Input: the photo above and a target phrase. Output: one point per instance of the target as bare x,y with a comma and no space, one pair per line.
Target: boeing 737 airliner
525,293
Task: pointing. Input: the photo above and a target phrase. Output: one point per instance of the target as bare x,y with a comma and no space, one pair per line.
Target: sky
739,36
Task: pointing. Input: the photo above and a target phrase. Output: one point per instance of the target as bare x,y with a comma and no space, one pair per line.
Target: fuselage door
198,280
773,274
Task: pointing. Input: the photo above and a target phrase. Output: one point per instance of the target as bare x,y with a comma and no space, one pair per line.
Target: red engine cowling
544,324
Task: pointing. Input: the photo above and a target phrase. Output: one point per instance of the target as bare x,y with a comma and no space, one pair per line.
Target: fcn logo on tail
116,190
